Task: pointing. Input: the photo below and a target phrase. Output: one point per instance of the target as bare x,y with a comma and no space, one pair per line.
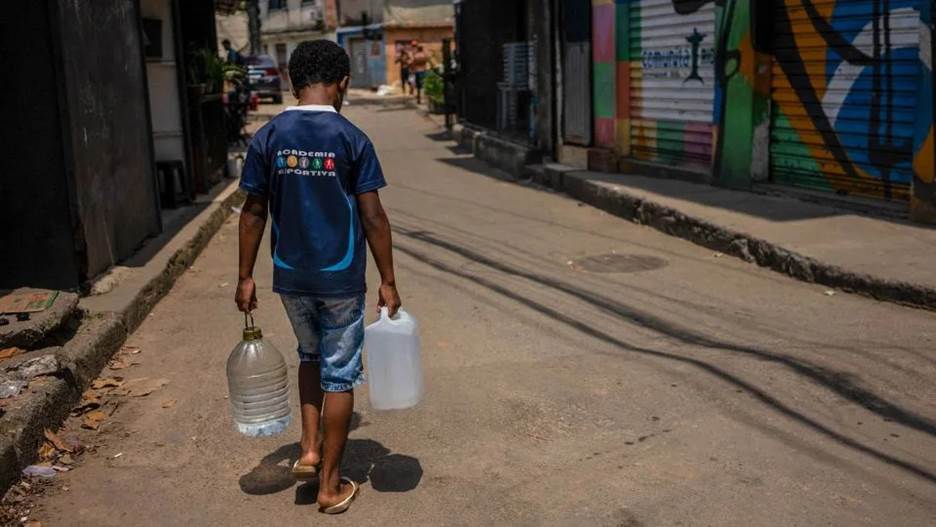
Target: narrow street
580,370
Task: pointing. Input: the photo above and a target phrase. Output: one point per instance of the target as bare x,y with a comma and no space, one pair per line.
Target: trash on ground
130,350
44,365
41,471
118,454
10,387
27,301
829,292
92,420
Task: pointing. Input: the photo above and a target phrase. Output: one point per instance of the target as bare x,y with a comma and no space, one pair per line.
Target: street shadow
442,135
272,474
836,382
368,460
459,149
402,108
364,460
477,166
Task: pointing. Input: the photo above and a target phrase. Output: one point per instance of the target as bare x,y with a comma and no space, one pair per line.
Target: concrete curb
579,185
49,399
514,158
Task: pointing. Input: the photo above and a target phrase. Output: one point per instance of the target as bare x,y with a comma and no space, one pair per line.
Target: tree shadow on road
364,460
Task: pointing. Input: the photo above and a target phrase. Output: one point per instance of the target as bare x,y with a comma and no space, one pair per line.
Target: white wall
162,77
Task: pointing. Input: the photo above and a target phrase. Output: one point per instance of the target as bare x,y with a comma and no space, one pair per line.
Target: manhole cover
619,263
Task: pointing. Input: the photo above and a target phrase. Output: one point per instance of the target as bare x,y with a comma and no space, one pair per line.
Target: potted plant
434,88
207,73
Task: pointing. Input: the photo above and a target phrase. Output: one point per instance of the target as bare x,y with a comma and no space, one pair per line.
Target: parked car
263,77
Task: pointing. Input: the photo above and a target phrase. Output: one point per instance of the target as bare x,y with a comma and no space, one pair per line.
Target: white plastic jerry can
394,367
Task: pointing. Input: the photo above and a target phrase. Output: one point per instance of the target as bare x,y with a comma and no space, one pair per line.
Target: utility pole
253,25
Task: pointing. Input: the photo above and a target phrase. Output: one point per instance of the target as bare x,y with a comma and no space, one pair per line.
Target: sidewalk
884,258
121,300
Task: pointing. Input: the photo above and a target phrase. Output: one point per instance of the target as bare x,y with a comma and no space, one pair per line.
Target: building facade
102,88
834,98
286,23
374,31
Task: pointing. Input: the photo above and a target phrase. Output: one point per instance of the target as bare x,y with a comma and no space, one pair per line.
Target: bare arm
252,223
377,229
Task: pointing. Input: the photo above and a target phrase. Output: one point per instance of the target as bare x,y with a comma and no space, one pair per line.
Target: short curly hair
318,62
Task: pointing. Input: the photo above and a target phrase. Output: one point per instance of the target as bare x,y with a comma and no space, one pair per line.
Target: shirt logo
304,163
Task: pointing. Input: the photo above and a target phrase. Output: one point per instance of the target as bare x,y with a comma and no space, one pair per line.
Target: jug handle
385,314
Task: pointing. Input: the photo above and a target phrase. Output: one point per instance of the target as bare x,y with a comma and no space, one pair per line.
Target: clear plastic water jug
394,367
259,385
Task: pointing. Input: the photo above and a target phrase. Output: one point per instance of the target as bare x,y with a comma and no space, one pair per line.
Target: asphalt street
580,370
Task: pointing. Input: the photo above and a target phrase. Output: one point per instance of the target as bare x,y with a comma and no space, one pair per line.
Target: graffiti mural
669,69
604,63
845,87
833,95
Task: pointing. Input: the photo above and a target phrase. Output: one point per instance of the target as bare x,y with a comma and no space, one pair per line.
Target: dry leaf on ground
46,451
121,362
7,353
169,403
93,420
57,441
141,387
107,382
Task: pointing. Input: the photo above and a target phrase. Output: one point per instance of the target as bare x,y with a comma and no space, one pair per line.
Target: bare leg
310,400
337,419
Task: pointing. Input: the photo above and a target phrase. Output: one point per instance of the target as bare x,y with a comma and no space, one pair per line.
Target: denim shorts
330,331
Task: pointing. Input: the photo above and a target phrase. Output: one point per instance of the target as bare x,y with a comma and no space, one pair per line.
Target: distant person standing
403,59
419,65
233,57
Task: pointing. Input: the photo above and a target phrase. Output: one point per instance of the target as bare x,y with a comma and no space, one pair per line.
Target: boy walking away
318,176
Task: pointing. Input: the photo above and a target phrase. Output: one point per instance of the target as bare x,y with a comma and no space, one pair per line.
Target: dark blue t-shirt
311,163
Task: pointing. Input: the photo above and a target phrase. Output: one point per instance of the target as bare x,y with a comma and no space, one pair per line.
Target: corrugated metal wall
672,93
845,83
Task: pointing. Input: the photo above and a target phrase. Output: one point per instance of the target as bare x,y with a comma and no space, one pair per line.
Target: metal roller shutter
844,88
672,49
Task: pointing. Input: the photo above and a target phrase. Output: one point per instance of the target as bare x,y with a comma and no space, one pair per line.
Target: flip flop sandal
304,472
338,508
